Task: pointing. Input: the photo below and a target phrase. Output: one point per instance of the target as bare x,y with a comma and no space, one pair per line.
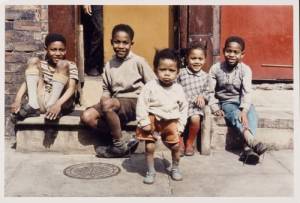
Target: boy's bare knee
106,105
87,117
150,148
195,120
62,67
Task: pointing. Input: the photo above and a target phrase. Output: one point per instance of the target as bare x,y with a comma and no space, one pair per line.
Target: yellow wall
151,25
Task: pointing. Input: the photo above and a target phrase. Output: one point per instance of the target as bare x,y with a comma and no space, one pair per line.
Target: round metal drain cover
92,170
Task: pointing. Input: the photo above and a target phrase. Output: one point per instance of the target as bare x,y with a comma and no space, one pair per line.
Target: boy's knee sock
32,78
193,132
58,83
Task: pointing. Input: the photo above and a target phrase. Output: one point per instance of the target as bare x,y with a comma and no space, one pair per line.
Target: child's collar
193,73
129,55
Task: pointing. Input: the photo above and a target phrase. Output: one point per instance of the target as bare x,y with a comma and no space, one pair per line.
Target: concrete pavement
217,175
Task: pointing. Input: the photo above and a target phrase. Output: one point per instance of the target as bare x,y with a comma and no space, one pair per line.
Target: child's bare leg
32,78
175,173
112,119
60,79
194,128
150,148
109,106
149,155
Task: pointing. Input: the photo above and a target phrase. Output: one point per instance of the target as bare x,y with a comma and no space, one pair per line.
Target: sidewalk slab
217,175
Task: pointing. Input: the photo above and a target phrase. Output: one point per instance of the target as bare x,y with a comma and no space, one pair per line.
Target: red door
268,33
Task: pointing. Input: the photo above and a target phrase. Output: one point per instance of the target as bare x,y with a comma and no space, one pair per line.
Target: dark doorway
93,39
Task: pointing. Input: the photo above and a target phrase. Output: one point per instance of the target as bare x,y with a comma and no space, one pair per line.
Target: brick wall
25,29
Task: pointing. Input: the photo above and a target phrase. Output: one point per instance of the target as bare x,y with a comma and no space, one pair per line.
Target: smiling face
196,60
233,54
121,44
56,51
167,71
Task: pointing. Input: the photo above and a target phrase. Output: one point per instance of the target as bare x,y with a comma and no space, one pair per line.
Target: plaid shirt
194,85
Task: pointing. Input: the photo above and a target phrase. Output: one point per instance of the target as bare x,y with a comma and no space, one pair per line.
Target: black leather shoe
260,148
249,157
93,72
27,111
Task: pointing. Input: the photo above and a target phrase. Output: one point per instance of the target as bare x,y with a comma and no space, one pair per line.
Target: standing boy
162,108
230,83
49,84
123,78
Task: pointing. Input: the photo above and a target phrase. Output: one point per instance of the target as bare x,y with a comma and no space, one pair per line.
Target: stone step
69,136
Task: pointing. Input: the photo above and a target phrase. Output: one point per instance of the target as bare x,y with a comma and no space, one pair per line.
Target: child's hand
200,102
15,107
244,119
219,113
53,111
147,128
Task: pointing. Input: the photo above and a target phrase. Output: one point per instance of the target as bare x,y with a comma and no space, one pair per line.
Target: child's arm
245,96
200,99
16,105
142,115
55,109
246,89
213,102
146,71
183,109
106,84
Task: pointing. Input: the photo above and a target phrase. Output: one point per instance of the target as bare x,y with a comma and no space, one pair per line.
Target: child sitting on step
162,107
230,85
123,78
50,84
195,85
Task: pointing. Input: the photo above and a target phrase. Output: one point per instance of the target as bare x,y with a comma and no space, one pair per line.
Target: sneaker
248,156
175,174
260,148
27,111
149,178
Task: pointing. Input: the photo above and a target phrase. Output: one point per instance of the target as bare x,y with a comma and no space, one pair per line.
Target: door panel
268,33
65,26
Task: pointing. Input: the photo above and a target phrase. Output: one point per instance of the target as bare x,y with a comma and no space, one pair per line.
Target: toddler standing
162,107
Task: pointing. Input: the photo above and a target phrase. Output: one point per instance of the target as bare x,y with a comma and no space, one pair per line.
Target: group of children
164,102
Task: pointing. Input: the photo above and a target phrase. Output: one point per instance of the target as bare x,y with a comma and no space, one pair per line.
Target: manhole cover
92,170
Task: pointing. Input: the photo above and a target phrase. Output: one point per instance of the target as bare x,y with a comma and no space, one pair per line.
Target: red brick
25,46
15,67
16,57
27,25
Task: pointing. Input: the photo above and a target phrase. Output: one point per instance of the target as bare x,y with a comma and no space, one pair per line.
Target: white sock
32,81
58,83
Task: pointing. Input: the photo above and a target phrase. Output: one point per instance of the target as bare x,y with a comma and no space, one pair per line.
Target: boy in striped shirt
49,84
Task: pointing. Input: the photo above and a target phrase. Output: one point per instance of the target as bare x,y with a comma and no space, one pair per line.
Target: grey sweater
125,78
232,86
